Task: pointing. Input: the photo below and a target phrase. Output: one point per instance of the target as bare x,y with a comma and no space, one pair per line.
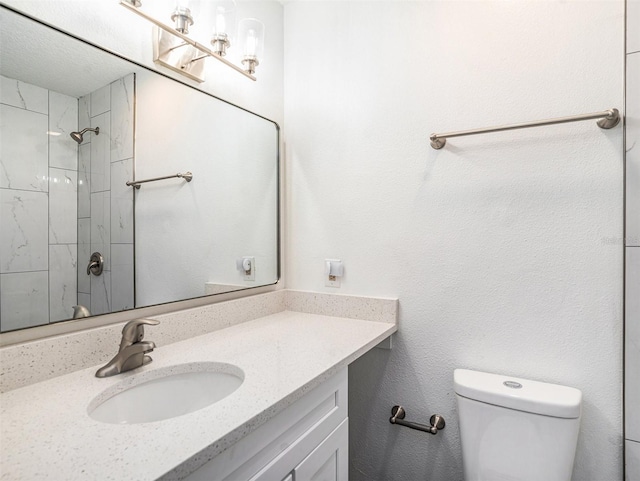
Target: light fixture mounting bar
185,39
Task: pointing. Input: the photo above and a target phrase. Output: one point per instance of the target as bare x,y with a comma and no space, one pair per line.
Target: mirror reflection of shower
77,136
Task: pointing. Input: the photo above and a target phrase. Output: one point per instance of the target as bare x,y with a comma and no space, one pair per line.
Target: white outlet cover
331,281
252,275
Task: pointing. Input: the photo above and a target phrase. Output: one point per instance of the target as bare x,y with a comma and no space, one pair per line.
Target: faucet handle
133,331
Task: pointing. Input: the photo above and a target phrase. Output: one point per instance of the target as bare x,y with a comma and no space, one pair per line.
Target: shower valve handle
96,264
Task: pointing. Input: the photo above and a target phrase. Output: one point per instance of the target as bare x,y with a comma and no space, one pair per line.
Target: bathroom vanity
287,419
308,440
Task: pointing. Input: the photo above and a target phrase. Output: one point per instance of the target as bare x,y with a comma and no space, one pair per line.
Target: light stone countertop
46,432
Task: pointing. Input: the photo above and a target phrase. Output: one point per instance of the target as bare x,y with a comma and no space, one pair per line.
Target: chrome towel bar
608,119
136,183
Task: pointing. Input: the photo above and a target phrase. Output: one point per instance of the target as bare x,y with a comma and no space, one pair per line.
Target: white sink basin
166,393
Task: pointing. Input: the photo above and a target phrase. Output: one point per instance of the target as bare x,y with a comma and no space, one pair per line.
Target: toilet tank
514,429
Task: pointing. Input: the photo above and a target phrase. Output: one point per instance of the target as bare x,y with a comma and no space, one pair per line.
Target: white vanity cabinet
308,440
330,460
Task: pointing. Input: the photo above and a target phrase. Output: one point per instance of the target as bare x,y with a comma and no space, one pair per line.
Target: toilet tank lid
520,394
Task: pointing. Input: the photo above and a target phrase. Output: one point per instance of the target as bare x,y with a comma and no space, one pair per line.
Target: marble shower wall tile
84,254
100,101
24,300
100,153
632,241
63,202
84,300
121,202
101,293
23,237
63,119
632,344
101,226
633,149
63,290
22,95
121,276
23,149
84,116
632,461
633,26
122,118
84,184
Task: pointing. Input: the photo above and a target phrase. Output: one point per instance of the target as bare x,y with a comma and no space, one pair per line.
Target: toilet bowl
514,429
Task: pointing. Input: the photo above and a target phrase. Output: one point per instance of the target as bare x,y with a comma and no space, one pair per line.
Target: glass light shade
251,36
223,19
178,4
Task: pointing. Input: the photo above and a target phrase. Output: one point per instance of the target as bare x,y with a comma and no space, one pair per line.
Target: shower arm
79,136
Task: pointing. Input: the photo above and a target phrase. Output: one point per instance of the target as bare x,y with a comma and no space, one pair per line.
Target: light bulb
224,15
251,33
251,45
220,24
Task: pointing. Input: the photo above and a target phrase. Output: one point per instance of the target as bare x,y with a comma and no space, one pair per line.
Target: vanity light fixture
182,17
175,49
252,38
224,20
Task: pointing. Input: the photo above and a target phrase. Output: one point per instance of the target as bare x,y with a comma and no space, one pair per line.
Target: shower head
77,136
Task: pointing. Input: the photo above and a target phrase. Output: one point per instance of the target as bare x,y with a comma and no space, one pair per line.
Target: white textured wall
496,245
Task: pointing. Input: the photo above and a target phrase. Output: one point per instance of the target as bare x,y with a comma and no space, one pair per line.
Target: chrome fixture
397,417
80,311
96,264
136,183
182,17
608,119
133,349
77,136
174,49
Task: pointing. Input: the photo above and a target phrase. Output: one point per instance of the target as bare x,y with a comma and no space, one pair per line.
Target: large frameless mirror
78,125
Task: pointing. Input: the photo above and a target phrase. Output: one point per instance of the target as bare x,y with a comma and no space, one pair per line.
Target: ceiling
42,56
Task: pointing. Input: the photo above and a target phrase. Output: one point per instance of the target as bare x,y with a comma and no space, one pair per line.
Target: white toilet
514,429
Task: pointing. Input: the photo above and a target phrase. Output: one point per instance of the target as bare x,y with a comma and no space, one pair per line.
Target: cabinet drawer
312,418
318,452
329,461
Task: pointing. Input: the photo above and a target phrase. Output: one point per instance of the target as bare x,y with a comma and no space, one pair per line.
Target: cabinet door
329,461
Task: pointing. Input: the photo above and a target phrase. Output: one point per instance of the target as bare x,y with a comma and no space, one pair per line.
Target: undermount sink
166,393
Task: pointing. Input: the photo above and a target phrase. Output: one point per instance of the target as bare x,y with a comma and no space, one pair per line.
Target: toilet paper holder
398,414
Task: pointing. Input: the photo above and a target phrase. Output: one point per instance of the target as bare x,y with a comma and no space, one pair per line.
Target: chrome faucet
133,349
